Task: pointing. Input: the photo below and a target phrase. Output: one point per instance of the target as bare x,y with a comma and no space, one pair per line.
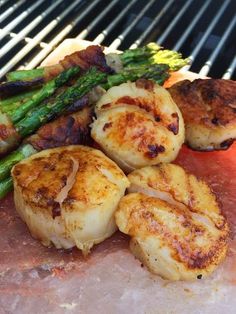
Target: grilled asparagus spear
149,54
153,54
45,112
24,74
16,99
9,136
5,186
47,90
67,130
10,160
156,72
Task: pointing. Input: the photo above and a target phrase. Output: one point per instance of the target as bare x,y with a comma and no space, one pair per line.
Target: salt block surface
35,279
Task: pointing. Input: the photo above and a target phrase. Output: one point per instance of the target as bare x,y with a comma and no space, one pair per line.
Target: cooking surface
35,279
110,280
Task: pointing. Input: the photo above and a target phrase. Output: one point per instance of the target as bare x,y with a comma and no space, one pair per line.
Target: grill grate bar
229,72
151,26
48,48
28,39
191,26
37,39
116,43
6,30
10,10
99,39
161,39
25,31
60,36
206,68
2,2
30,32
86,31
208,30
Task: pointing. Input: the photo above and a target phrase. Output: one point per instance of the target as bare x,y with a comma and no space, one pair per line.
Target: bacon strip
91,56
66,130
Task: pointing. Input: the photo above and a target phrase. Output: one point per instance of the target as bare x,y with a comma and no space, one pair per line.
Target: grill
201,29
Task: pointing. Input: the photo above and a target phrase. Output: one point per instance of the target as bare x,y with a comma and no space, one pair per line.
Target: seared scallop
67,196
209,111
174,221
138,124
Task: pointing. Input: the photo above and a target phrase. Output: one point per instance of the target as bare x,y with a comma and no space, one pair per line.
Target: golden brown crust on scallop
42,178
182,186
210,105
68,195
210,102
174,222
138,124
177,231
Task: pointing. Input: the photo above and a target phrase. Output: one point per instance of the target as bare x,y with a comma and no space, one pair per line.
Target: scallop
208,107
138,124
174,222
67,196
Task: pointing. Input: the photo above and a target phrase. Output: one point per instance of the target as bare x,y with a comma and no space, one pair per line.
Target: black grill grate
202,29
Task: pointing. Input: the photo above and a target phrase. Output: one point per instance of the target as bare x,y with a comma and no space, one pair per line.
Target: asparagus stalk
8,89
4,103
45,112
158,73
75,133
174,59
47,90
5,186
6,164
24,75
11,107
10,160
149,54
131,56
153,54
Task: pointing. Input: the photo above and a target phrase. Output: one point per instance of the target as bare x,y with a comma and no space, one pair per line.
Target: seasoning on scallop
174,222
208,107
67,196
138,124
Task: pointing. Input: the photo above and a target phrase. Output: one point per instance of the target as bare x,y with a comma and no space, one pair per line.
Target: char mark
174,126
56,211
107,126
226,144
145,84
12,88
154,150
